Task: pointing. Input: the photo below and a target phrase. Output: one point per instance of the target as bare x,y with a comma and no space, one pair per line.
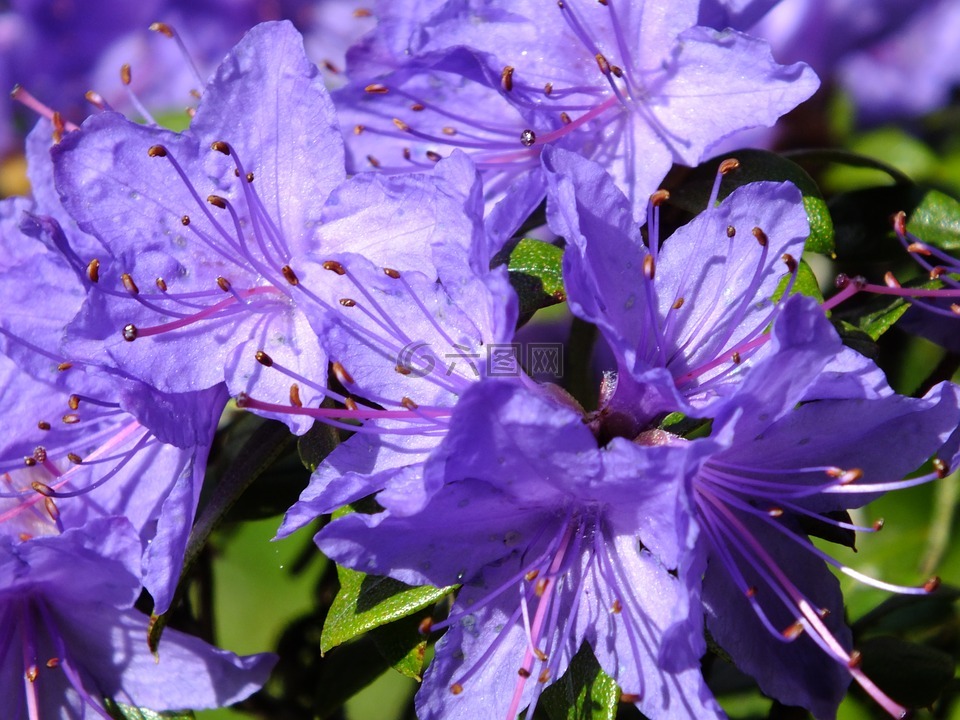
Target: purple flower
69,637
631,86
556,542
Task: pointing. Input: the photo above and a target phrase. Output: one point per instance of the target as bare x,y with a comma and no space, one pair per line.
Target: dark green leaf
583,692
876,323
913,675
805,284
127,712
366,602
908,613
936,220
756,166
315,444
403,645
865,159
829,531
536,273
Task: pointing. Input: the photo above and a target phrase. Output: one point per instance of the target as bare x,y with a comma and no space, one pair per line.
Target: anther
162,28
376,89
402,369
544,675
878,524
73,402
728,166
433,156
334,266
340,372
955,308
629,697
43,489
890,280
43,425
408,403
602,63
130,332
456,688
357,129
157,151
936,271
129,285
58,127
64,366
289,275
617,70
541,587
425,626
71,419
263,358
790,261
649,267
347,302
565,118
794,631
617,607
93,270
824,613
362,13
523,672
548,89
931,584
373,161
185,220
531,575
223,283
51,507
659,197
295,396
506,78
53,663
941,468
761,236
401,125
407,154
918,248
528,138
417,107
125,75
731,231
32,673
75,459
899,220
856,659
391,273
29,462
217,201
678,304
448,130
735,357
242,400
851,476
40,454
220,146
751,592
350,404
775,512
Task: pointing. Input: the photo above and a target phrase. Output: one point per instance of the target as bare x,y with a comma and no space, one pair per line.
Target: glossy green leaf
756,166
805,284
127,712
536,273
914,675
315,444
936,221
583,692
403,645
366,602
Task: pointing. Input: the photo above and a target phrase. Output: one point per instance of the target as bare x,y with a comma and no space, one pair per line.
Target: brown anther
295,396
129,332
249,177
185,220
544,675
602,2
129,285
43,488
70,419
425,625
407,154
565,118
433,156
51,507
191,111
940,467
162,28
659,197
64,366
447,130
919,248
735,357
540,588
824,613
242,400
73,402
541,655
617,70
391,273
834,472
223,283
125,75
531,575
955,308
263,358
334,266
931,584
362,13
289,275
93,270
617,607
548,89
402,369
775,512
629,697
157,151
351,404
731,231
761,236
523,672
53,662
751,591
40,454
456,688
24,536
29,462
401,125
75,459
794,631
891,280
560,4
506,78
649,267
728,166
373,161
528,137
58,127
408,403
418,107
856,659
936,271
217,201
850,476
899,220
347,302
602,63
95,99
32,673
340,372
376,89
43,425
878,524
790,261
220,146
678,304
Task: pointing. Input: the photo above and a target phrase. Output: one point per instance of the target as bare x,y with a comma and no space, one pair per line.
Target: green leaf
855,338
756,166
913,675
805,284
403,645
315,444
583,692
366,602
536,273
936,221
128,712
